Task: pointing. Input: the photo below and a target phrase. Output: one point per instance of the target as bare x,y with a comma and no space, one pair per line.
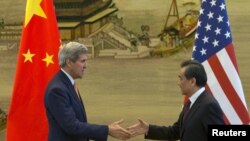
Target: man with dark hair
201,110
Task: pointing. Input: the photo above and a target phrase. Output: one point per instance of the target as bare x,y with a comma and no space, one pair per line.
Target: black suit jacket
205,111
66,114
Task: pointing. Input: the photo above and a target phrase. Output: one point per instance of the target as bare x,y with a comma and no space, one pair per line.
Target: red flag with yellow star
37,63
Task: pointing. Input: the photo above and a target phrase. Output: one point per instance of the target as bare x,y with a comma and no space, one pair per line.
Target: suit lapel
79,102
73,93
191,112
196,105
83,108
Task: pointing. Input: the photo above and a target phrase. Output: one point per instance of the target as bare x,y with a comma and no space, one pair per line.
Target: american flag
214,49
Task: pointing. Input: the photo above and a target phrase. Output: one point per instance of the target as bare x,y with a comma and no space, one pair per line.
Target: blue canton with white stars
213,30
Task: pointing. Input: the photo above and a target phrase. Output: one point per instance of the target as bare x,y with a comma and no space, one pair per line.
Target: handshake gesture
116,131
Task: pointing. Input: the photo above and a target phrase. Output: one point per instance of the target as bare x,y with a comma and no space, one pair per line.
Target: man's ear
68,62
193,80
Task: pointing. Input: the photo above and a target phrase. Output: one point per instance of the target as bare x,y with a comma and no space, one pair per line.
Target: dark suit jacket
204,111
66,114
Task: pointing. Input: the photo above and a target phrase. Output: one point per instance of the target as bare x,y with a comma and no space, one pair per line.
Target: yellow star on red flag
48,59
28,56
40,41
33,7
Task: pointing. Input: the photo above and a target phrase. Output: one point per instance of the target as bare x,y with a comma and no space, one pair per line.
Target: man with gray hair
64,107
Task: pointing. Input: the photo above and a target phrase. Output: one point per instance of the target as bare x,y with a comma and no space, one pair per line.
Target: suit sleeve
58,103
170,133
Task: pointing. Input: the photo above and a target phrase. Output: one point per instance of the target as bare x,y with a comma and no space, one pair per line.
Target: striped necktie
76,90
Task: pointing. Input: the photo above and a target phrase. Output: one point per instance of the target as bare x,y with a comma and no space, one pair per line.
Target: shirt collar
194,97
70,78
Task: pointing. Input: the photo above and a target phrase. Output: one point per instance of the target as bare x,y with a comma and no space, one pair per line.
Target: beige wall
65,34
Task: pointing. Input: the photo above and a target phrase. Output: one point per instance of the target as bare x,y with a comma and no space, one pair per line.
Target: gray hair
72,51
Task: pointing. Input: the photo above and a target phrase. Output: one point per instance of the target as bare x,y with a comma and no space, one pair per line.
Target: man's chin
79,77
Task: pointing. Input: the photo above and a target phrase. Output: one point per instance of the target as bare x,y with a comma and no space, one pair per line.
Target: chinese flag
37,63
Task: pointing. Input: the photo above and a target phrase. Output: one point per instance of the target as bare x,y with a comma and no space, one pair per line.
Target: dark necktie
186,109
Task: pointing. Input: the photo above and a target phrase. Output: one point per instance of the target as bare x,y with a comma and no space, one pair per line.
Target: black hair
194,69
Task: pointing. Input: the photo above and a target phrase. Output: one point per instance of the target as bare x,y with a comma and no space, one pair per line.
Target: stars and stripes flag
37,63
214,49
